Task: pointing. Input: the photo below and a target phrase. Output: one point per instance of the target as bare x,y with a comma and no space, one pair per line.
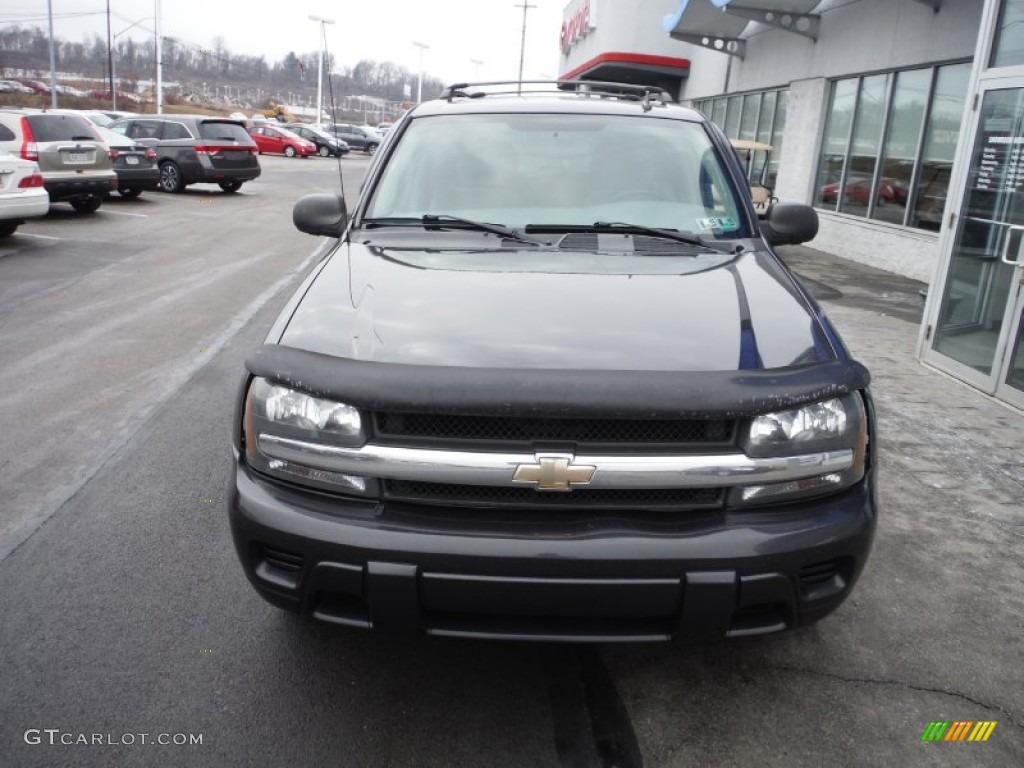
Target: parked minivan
195,149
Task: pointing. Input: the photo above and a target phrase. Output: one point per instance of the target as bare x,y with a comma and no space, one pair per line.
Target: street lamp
477,62
419,87
320,66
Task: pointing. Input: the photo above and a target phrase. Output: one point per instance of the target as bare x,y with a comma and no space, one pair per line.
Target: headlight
798,431
277,416
836,426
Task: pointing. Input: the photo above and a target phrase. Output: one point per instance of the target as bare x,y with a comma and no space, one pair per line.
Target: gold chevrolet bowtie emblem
554,472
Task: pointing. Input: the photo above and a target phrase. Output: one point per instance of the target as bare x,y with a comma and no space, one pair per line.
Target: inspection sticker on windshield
721,222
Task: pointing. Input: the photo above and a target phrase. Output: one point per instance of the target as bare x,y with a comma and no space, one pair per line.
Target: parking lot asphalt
125,610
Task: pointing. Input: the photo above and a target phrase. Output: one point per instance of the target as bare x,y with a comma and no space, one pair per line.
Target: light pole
159,64
419,88
320,66
53,59
476,73
522,43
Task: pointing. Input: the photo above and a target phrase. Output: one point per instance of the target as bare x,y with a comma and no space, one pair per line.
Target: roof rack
647,95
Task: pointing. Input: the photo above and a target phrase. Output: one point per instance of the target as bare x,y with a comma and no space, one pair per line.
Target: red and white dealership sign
579,19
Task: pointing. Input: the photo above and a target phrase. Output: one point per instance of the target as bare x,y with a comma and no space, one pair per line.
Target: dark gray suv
550,381
196,149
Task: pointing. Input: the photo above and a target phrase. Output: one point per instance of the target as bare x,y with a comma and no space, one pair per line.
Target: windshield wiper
441,220
627,228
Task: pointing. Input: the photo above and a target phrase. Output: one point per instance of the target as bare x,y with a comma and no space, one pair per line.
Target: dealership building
900,121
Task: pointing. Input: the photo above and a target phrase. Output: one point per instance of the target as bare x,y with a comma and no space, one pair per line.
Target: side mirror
789,224
321,214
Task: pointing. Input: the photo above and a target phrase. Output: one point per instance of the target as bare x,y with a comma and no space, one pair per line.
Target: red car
280,141
858,191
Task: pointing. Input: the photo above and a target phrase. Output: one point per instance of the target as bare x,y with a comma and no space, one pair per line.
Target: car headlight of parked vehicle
285,430
834,427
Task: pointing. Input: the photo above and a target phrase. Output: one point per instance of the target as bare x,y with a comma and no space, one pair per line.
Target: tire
371,149
88,204
8,228
289,151
324,151
129,192
230,186
170,177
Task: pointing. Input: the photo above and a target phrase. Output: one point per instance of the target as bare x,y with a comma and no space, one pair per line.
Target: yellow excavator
279,113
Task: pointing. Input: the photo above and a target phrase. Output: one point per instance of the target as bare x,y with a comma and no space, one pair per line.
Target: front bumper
574,577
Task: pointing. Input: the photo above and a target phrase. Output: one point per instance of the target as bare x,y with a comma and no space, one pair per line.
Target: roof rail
646,94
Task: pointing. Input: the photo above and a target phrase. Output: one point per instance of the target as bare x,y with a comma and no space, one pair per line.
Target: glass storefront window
941,137
836,142
912,180
754,116
1009,44
776,141
867,135
909,101
732,117
764,135
748,122
718,113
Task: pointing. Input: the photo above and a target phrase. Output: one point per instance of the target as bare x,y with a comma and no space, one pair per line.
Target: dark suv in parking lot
550,381
75,164
354,136
195,149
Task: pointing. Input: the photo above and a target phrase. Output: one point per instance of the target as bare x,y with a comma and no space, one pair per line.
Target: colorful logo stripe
958,730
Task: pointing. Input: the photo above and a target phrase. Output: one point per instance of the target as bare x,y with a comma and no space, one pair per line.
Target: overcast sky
456,30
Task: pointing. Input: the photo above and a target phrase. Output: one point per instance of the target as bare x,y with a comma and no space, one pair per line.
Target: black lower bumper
69,189
138,178
371,565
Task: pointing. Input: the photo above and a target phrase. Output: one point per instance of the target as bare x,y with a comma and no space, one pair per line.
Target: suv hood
555,310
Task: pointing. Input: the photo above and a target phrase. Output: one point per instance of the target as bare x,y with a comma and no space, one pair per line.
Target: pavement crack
898,683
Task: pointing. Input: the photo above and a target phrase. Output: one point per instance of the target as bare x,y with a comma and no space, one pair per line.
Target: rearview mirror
789,224
321,214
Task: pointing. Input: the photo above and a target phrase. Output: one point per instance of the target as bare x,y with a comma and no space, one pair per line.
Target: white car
13,86
22,195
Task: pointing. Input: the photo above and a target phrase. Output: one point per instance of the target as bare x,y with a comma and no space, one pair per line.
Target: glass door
1010,386
978,317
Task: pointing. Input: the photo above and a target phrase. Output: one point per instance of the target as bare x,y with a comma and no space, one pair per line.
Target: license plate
132,160
79,157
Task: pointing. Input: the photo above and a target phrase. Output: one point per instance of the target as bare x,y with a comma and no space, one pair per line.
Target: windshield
559,169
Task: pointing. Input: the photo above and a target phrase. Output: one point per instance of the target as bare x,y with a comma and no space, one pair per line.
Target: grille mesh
507,429
672,499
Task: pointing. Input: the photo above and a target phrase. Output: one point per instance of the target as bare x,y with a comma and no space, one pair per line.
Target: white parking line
41,237
125,213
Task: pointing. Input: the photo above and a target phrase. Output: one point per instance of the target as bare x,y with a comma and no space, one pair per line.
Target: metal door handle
1010,228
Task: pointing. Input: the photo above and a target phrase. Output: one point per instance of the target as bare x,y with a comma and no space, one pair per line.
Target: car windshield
559,169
